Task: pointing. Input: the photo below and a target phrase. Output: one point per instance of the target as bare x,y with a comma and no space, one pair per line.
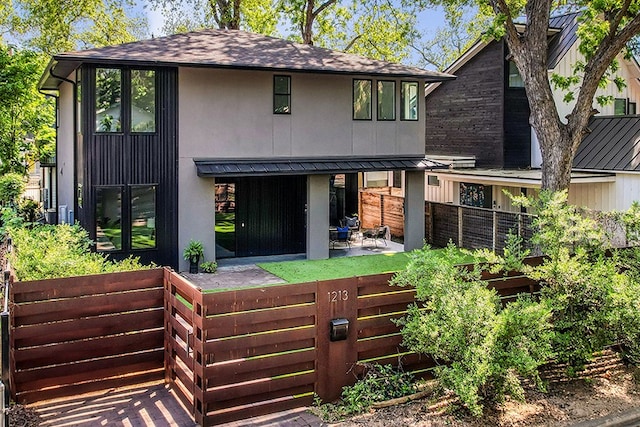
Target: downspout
75,148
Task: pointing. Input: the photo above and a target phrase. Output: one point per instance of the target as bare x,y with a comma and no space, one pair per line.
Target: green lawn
335,268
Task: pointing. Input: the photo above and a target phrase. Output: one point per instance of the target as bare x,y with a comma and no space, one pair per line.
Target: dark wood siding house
480,114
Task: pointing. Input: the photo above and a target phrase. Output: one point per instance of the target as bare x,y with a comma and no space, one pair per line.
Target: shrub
379,383
481,348
12,186
49,251
209,266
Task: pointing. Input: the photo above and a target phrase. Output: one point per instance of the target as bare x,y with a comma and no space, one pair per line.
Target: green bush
482,349
379,383
12,186
50,251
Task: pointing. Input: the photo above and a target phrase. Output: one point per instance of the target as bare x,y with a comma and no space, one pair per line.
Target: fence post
4,349
495,230
460,231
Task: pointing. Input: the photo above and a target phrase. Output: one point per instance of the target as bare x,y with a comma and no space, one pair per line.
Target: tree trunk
307,25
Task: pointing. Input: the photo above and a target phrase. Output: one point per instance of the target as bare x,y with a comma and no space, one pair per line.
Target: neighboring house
241,141
479,125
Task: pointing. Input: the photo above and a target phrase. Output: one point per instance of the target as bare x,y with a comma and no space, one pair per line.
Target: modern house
158,138
479,125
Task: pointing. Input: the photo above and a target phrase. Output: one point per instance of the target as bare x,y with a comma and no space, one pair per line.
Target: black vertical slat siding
124,159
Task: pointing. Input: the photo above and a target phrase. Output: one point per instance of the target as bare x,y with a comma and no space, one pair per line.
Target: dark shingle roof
561,42
258,167
612,145
236,49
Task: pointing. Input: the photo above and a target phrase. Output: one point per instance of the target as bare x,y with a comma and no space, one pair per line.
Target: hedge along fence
83,334
229,355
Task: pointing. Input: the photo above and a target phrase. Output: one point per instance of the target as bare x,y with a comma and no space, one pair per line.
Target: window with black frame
108,100
361,99
143,101
386,100
108,219
143,216
281,94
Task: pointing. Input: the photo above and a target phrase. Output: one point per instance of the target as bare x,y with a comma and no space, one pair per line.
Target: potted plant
192,253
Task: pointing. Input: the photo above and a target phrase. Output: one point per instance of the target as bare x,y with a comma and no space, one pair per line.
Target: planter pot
193,266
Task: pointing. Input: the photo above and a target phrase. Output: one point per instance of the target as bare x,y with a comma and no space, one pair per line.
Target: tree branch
322,7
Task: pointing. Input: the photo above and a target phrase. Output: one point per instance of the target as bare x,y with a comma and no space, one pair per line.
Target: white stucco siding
65,146
229,114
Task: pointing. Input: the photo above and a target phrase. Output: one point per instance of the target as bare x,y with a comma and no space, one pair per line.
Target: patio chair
375,234
340,235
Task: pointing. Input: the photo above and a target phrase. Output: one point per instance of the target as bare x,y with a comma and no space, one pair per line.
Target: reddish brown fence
81,334
249,352
382,206
229,355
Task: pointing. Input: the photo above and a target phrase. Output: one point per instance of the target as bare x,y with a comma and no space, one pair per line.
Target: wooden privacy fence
249,352
81,334
382,207
229,355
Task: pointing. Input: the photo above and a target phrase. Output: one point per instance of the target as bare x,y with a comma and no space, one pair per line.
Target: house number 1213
335,296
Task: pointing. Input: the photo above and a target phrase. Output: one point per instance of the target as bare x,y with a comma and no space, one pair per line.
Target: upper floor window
108,100
622,106
361,99
143,101
515,79
281,94
386,100
409,101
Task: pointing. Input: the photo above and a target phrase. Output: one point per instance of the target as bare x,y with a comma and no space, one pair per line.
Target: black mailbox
338,329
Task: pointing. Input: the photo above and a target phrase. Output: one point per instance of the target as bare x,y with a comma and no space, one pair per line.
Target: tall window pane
282,95
362,99
620,106
143,217
515,80
386,100
108,218
409,101
108,100
143,101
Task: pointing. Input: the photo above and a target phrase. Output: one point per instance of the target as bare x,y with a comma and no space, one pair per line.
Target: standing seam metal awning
262,167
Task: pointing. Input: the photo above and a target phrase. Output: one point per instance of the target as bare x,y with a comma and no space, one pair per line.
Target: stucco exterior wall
65,146
229,114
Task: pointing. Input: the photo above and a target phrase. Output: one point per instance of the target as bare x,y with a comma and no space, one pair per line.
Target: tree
449,42
604,31
52,26
26,117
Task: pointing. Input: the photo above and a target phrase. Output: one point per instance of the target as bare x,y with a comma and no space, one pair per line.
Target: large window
362,99
143,217
108,218
386,100
515,79
281,94
108,100
409,101
143,101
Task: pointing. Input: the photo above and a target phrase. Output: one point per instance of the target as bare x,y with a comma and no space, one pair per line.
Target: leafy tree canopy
26,117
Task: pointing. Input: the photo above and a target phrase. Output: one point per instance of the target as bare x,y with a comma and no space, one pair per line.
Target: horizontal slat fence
82,334
228,355
382,207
